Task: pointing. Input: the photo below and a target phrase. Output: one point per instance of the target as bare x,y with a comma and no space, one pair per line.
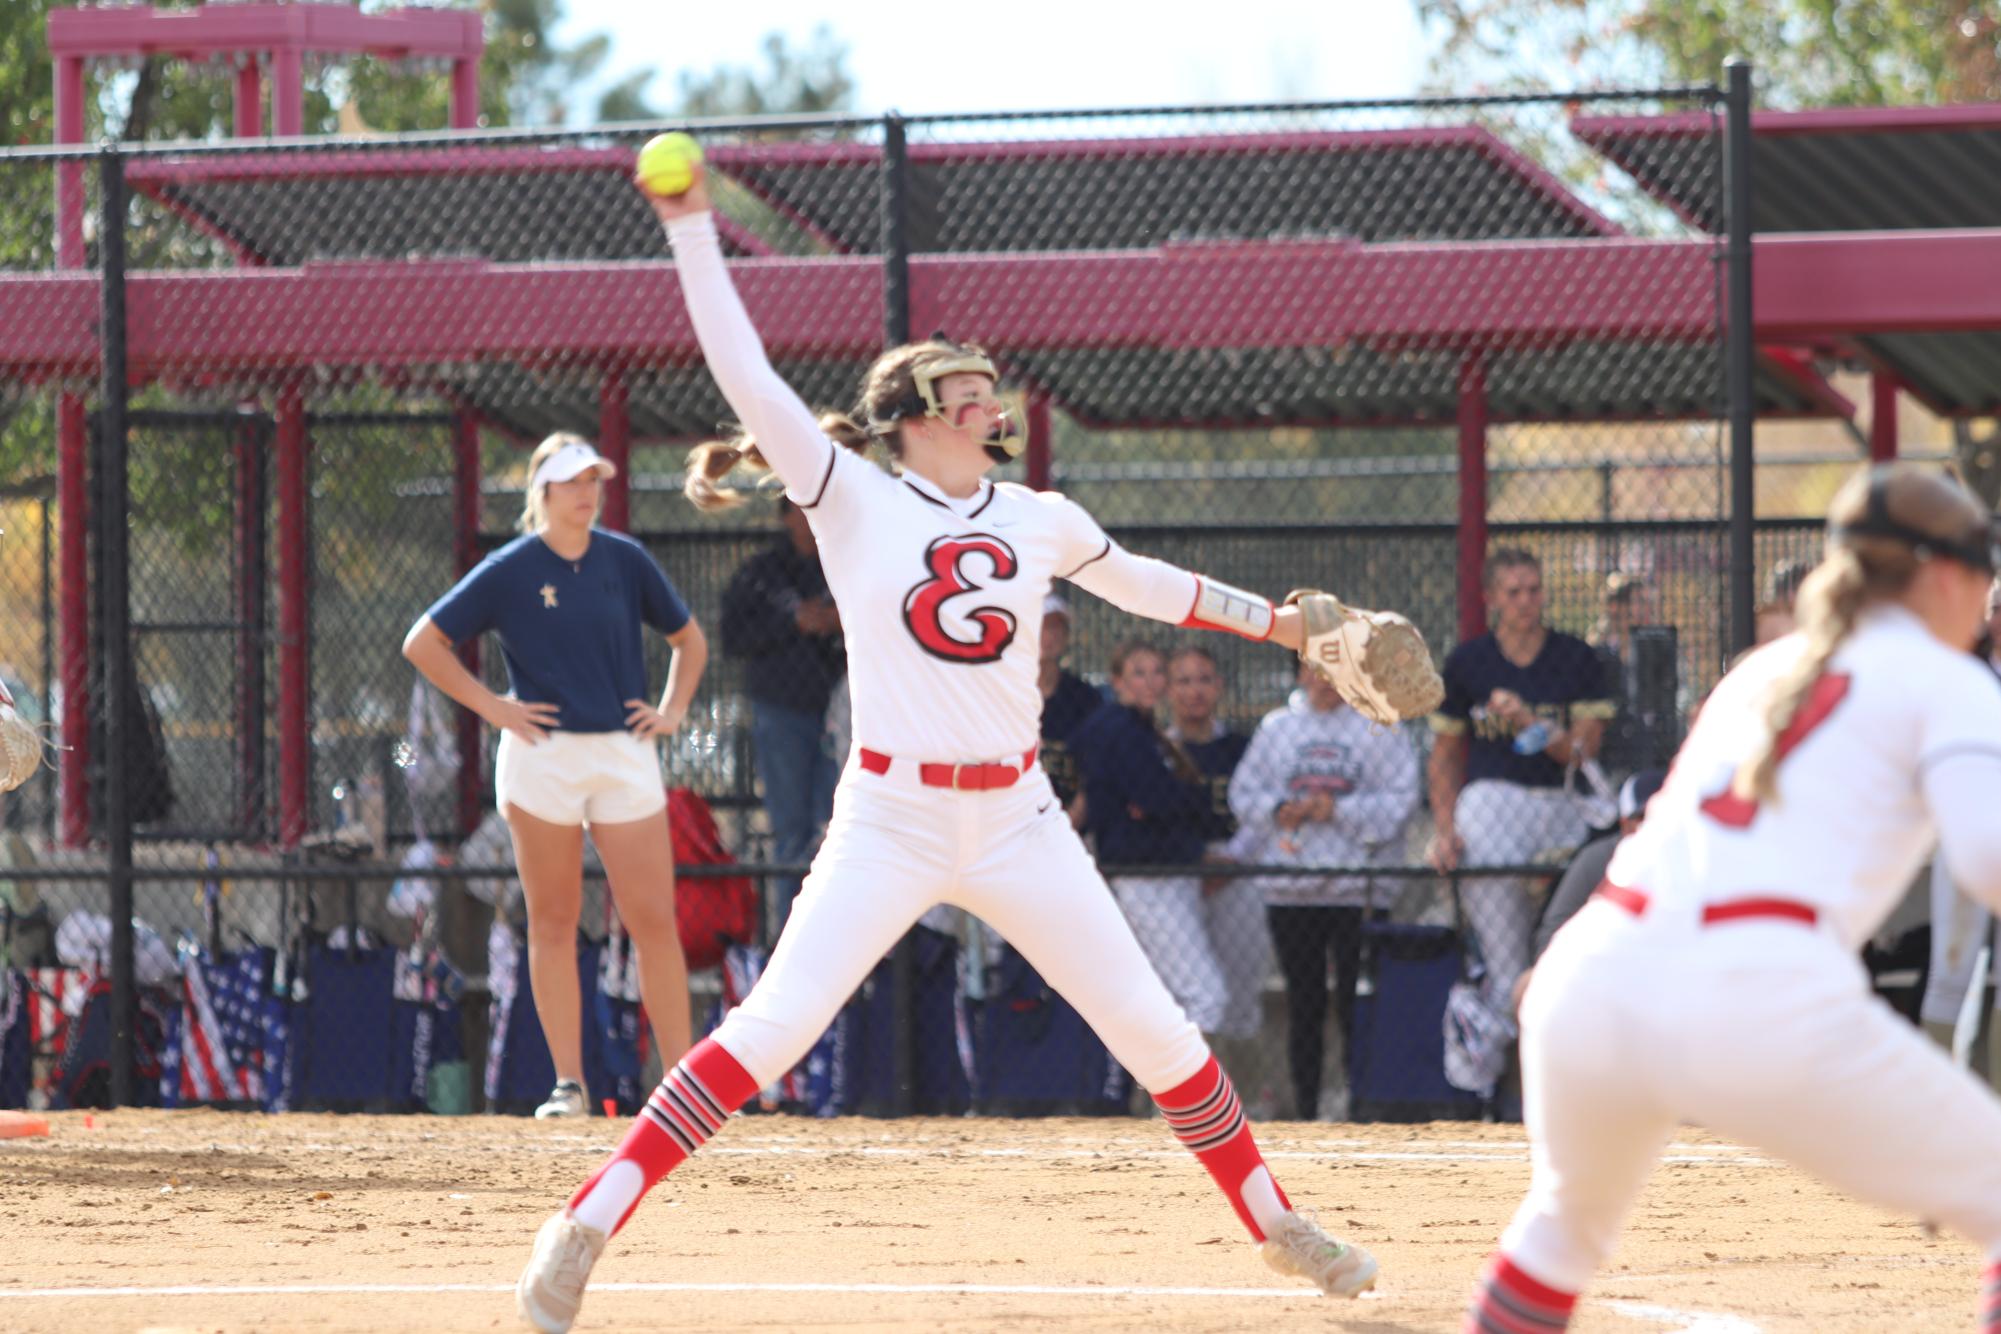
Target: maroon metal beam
1502,295
1817,120
615,443
465,93
294,621
1472,552
73,618
72,476
249,118
288,93
1038,461
1797,370
1882,417
1811,287
465,555
210,30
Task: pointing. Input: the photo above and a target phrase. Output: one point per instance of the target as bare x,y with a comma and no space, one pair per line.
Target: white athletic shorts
578,778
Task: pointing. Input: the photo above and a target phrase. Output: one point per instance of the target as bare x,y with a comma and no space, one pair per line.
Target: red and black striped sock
1990,1299
690,1105
1205,1115
1510,1302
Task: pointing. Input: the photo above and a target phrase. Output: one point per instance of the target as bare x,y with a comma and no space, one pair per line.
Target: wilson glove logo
950,561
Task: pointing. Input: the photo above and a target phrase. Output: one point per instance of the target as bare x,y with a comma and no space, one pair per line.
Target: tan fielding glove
1376,659
20,747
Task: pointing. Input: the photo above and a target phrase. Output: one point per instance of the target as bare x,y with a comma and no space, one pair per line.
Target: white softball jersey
1760,1025
941,607
1898,747
945,593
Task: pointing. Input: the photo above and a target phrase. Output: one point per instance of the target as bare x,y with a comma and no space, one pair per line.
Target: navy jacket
781,665
1139,810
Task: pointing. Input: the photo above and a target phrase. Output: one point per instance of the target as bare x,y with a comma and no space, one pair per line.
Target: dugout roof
1103,270
1874,169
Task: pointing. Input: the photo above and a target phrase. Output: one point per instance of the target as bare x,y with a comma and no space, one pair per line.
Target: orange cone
20,1125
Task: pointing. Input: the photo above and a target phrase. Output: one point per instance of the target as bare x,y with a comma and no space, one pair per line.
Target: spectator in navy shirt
579,742
1525,707
1146,804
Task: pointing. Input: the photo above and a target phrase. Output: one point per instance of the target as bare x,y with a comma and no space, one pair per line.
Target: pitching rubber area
166,1221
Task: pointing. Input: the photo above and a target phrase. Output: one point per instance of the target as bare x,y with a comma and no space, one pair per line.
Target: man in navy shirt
1524,707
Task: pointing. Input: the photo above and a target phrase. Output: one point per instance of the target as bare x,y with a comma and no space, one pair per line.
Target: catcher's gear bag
1376,659
20,746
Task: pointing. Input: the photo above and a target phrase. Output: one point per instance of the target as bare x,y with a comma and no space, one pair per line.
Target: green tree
1806,52
800,82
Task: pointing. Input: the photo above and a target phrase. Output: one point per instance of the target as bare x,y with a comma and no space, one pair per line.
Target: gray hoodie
1372,773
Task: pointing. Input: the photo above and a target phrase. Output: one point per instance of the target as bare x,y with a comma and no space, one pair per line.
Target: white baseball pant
1506,824
1762,1031
893,849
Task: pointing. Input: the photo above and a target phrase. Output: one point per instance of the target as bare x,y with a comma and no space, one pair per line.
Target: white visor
571,461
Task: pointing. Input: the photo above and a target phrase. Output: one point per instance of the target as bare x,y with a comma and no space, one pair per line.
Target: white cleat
1298,1247
551,1290
565,1100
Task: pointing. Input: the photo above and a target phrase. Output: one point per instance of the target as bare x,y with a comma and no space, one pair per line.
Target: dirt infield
214,1221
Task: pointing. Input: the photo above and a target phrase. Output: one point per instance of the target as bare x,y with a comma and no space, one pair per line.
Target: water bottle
371,812
1533,739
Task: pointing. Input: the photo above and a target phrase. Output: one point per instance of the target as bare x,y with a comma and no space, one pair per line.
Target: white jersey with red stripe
1872,773
940,597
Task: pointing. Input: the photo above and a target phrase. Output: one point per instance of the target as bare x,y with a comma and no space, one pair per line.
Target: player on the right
1715,977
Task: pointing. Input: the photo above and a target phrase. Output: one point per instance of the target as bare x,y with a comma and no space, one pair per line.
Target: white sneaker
566,1099
551,1289
1298,1246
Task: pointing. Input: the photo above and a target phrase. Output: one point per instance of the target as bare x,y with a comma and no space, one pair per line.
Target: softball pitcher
1714,979
941,577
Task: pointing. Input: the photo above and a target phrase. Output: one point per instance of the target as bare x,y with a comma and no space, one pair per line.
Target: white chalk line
1494,1152
881,1289
1685,1322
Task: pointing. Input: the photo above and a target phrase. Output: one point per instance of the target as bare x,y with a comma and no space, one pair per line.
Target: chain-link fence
1374,349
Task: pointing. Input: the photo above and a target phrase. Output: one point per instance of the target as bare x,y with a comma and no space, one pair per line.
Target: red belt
1728,910
958,777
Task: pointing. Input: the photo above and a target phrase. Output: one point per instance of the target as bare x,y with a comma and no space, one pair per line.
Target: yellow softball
666,165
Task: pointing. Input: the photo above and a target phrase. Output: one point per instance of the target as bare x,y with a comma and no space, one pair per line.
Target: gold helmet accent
1004,442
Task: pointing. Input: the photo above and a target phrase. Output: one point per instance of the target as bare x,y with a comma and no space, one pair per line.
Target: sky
1034,54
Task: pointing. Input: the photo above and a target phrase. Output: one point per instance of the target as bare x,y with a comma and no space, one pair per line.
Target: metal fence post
114,624
1739,352
896,331
895,232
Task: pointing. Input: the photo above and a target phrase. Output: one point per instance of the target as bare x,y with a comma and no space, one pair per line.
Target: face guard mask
1005,439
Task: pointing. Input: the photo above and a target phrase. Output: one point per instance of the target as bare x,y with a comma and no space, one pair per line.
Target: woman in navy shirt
579,742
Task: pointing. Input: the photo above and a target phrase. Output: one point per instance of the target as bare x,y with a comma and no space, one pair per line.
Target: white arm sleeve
1960,788
1138,584
785,429
1959,762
